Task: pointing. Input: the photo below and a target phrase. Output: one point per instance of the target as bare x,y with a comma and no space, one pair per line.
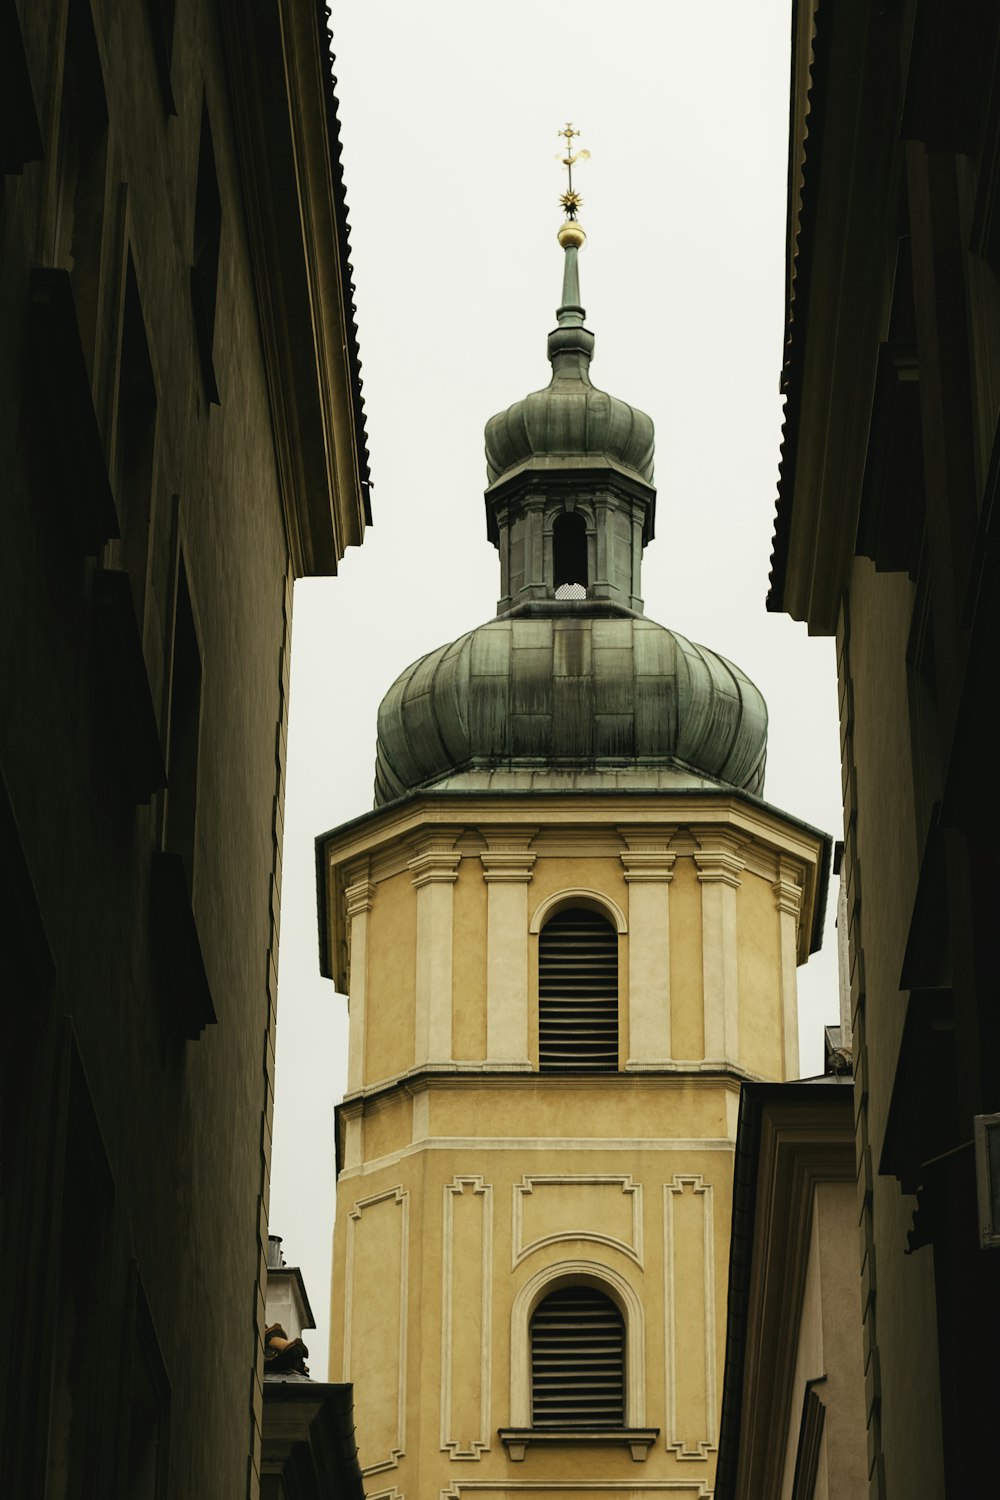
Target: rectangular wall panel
376,1291
466,1306
689,1311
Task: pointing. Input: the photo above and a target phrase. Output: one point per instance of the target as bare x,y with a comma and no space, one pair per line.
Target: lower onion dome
570,700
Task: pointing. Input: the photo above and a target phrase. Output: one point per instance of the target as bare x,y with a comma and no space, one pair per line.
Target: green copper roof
570,419
571,693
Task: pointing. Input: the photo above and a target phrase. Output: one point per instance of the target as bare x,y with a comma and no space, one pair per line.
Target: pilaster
635,598
788,901
603,581
358,899
435,870
503,548
353,1136
534,586
719,862
649,867
507,866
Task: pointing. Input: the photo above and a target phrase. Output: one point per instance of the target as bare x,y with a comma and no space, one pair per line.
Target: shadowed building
181,436
569,930
886,537
793,1393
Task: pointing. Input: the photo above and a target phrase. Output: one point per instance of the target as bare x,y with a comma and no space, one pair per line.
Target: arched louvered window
569,556
578,993
577,1361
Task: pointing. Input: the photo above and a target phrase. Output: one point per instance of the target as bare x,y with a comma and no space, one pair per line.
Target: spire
570,500
571,345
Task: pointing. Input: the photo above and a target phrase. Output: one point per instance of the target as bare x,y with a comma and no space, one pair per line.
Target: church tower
568,930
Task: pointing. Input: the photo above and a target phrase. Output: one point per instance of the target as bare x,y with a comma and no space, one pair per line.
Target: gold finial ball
571,233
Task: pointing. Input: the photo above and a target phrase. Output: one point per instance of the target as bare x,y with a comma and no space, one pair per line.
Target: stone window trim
520,1434
578,896
579,991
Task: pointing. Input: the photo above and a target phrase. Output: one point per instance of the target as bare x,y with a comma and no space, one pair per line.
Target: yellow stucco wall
470,1229
471,1180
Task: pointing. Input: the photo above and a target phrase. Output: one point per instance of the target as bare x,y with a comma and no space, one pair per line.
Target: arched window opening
577,1361
569,555
578,993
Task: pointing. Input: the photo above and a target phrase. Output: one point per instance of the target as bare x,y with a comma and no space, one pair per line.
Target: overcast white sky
450,113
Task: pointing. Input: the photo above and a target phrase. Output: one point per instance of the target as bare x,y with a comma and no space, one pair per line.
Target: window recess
578,993
577,1361
569,556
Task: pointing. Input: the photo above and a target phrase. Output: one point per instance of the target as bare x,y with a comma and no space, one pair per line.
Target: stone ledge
638,1440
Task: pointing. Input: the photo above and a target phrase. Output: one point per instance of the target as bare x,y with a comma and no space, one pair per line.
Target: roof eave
285,115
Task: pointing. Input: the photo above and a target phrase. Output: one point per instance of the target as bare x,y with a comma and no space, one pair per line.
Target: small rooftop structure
308,1449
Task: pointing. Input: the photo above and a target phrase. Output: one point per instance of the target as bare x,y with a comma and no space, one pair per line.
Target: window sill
518,1439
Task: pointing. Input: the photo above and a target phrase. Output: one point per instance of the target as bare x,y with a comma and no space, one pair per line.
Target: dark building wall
151,535
885,536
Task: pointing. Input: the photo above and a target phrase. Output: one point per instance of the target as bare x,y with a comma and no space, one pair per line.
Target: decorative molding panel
508,855
539,1144
719,857
466,1317
435,859
547,1210
647,855
787,887
689,1247
359,898
376,1274
695,1489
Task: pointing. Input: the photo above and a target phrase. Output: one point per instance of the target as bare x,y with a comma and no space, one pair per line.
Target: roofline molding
288,144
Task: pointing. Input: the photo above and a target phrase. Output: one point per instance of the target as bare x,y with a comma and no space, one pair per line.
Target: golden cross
571,200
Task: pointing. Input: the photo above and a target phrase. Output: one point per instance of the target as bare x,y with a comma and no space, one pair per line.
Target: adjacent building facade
569,930
181,436
886,537
792,1421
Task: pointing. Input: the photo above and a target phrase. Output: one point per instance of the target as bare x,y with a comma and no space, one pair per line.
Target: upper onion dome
570,420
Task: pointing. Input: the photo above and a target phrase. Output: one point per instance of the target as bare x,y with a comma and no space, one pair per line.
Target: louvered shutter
577,1361
578,993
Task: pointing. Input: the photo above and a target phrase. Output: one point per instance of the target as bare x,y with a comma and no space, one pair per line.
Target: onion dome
570,687
570,419
570,701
